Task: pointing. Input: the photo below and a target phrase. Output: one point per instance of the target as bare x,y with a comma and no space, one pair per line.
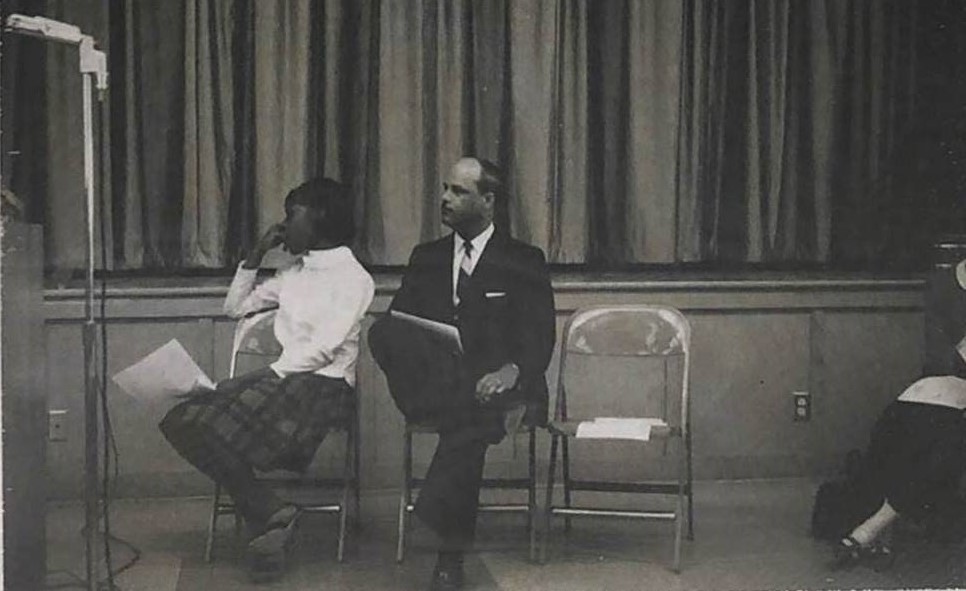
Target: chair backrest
631,332
255,336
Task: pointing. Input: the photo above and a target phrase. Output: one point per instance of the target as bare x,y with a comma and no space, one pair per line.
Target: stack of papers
449,333
637,429
167,372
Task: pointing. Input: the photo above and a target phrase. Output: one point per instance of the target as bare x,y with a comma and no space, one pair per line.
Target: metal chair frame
410,483
348,482
561,430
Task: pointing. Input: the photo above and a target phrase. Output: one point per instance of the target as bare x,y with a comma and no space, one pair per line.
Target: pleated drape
667,131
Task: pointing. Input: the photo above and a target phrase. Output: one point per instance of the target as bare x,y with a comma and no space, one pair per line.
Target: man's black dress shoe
448,574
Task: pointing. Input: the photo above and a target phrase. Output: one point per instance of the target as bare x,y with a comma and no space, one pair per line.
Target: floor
748,535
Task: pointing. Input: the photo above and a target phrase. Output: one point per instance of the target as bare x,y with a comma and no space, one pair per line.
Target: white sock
869,530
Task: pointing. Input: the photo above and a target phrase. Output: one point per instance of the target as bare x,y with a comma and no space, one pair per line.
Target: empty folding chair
651,344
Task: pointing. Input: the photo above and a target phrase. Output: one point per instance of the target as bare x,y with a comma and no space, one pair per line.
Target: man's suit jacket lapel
491,262
441,283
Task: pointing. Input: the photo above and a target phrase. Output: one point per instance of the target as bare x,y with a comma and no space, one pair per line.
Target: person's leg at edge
869,530
864,541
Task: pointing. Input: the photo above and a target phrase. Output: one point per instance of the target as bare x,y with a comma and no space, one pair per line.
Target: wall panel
853,344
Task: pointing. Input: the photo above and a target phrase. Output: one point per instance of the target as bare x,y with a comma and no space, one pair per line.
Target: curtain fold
282,52
209,141
150,113
632,123
670,131
570,149
65,204
793,108
527,150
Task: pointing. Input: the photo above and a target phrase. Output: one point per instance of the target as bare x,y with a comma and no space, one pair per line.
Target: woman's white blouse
321,301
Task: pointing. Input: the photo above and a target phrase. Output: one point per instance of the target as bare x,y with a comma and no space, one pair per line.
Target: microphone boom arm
92,60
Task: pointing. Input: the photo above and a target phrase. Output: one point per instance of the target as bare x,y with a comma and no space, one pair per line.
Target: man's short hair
491,179
332,198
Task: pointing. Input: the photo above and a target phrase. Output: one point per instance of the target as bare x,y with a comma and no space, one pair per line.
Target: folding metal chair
529,483
255,338
645,339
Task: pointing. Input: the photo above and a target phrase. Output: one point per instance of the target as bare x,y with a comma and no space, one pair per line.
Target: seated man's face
462,205
300,228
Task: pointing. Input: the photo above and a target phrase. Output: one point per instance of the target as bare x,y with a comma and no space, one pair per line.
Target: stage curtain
791,109
667,131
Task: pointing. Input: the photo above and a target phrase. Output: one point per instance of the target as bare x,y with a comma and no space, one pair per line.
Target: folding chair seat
410,484
255,340
653,344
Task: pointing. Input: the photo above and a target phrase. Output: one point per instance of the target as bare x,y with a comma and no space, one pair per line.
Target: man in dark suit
496,291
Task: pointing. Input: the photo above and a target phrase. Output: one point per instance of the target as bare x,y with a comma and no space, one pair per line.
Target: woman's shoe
881,557
266,552
848,553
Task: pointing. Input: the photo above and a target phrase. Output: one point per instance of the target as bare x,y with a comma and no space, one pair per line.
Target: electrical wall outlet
803,406
57,425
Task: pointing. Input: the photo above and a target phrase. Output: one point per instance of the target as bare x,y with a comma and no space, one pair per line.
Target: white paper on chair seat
166,372
638,429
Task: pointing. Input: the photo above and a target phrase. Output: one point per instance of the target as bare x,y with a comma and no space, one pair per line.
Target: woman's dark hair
334,200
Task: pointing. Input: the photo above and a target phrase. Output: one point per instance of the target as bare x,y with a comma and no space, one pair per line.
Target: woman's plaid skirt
274,424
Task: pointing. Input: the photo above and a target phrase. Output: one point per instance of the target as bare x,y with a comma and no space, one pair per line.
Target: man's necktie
462,281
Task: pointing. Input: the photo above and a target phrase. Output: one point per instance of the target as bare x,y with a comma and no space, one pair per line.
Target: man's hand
497,382
269,240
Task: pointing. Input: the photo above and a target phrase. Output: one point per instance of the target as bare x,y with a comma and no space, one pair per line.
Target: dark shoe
881,557
848,553
448,574
267,552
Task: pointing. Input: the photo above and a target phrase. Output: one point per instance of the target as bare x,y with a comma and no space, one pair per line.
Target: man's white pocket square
496,294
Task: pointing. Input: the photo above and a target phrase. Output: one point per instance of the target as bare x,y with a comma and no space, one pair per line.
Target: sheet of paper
638,429
939,390
163,374
449,332
961,348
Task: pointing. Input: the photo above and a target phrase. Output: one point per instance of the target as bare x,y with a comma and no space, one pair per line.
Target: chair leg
239,524
678,530
679,515
405,495
212,526
566,481
690,489
532,496
548,506
346,486
356,474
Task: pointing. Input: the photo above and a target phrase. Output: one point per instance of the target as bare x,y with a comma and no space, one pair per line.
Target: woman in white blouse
276,417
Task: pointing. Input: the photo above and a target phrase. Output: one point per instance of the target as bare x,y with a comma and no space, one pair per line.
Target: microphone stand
93,69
